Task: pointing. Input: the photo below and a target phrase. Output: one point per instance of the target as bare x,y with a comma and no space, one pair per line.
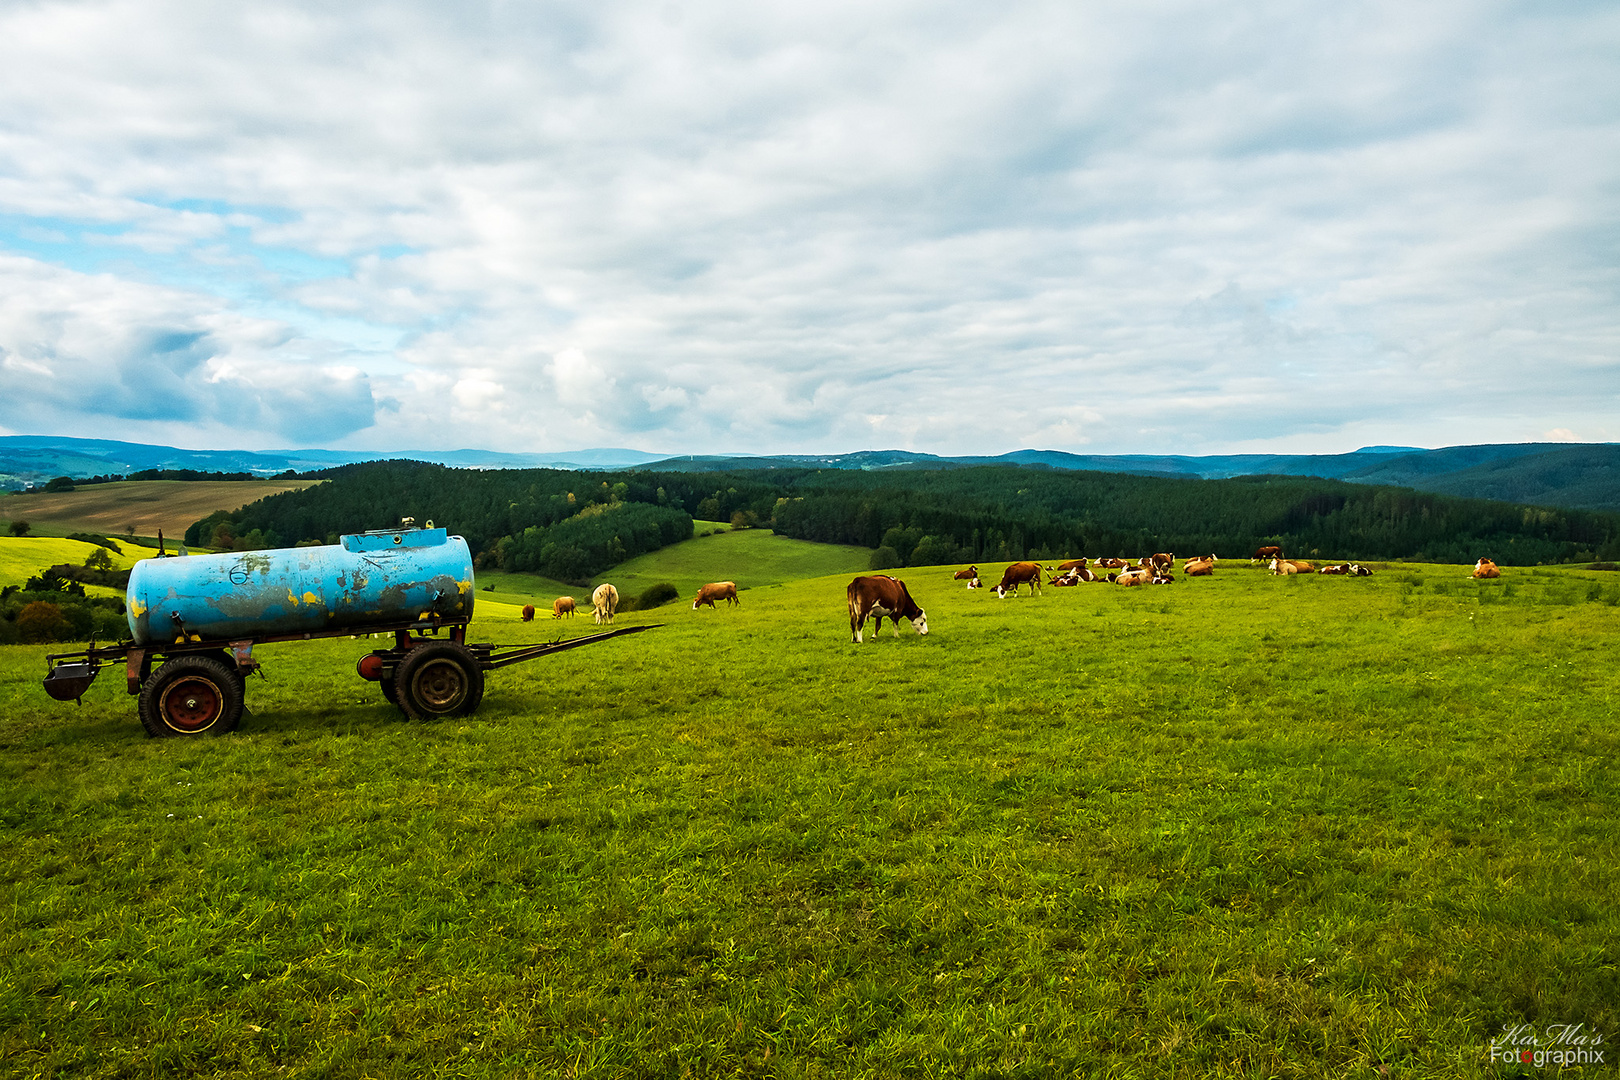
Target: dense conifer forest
571,525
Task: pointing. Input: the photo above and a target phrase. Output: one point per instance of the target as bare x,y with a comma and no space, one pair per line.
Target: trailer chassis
199,686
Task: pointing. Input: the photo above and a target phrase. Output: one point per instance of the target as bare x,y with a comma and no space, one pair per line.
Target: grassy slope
750,557
149,505
1240,826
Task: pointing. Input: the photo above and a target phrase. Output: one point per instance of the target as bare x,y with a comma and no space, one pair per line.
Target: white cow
606,601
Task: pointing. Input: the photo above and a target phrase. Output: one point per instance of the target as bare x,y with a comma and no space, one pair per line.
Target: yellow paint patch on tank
311,598
136,608
465,586
292,598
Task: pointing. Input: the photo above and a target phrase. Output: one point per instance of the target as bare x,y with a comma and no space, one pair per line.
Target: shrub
885,558
20,528
657,595
41,621
96,539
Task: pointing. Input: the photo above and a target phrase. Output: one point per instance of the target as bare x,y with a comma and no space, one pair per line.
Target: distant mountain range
1571,475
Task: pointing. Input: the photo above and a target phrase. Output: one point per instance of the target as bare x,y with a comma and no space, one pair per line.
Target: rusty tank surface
387,576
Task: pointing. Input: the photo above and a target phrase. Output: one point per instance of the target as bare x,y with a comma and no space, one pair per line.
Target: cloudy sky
768,227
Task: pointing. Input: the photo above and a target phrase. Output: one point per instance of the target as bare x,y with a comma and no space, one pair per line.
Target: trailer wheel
439,679
388,689
191,695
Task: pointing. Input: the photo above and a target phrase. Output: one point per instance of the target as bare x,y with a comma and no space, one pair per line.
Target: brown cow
528,613
1112,564
563,605
1020,573
1283,567
1266,553
1204,567
1135,577
966,575
879,595
1342,568
1069,564
717,590
1486,568
1163,561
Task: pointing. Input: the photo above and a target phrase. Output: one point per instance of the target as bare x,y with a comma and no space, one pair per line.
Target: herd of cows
881,596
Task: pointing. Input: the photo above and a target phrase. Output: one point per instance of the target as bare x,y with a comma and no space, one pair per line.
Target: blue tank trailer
202,615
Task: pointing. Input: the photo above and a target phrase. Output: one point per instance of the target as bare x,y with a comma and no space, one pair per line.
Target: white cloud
1158,227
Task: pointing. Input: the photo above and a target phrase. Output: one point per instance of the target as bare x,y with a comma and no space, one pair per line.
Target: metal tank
369,578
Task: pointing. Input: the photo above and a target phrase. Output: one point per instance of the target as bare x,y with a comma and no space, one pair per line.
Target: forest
570,525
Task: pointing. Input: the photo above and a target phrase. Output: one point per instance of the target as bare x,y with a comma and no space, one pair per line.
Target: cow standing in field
717,590
879,595
1019,573
1272,552
1486,568
528,613
563,605
604,601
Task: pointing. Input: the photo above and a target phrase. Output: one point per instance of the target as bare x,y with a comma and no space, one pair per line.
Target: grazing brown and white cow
604,602
1272,552
1486,568
880,595
717,590
1134,577
1202,567
1019,573
563,605
528,613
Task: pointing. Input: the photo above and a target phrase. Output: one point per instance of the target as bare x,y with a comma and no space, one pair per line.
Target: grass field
148,505
750,557
1237,827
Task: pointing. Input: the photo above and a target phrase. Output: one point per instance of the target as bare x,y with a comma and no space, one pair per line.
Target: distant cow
563,605
1203,567
1071,564
966,575
605,601
1134,577
528,613
1342,568
1485,568
1063,581
1112,564
1266,553
717,590
1019,573
880,595
1357,570
1163,561
1283,567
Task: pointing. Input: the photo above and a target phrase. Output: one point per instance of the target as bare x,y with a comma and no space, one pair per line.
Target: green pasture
750,557
1233,827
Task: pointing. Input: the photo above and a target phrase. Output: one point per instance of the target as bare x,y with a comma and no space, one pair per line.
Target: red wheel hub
191,704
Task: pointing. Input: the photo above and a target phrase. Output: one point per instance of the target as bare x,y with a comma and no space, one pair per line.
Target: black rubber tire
388,690
439,679
191,695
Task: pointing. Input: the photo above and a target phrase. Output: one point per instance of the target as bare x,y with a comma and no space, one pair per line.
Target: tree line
572,525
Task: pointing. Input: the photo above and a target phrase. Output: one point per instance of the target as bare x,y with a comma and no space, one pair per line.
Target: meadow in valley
1238,826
